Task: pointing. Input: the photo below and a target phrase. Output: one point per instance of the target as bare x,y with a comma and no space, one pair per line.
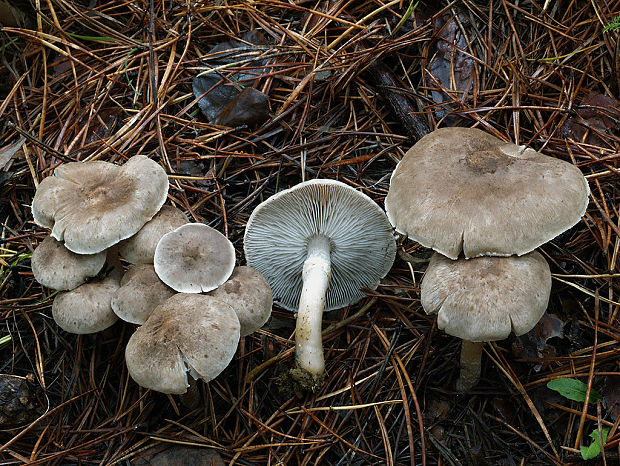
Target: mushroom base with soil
308,339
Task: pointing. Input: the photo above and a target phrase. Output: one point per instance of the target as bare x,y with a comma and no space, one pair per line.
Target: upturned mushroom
463,190
94,205
194,258
484,299
249,294
191,333
318,244
55,267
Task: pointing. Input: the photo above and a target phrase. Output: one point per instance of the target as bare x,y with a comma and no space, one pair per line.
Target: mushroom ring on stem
483,299
318,244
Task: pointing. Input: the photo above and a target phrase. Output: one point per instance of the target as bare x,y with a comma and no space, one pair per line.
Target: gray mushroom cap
187,333
93,205
140,248
55,267
141,291
194,258
361,241
86,309
248,293
485,298
461,189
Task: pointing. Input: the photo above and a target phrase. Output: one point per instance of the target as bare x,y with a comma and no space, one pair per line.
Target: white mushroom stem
471,355
316,275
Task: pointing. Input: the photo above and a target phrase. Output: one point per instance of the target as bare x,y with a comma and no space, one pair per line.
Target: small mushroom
248,293
140,248
87,308
318,244
141,291
194,258
93,205
191,333
55,267
461,189
484,299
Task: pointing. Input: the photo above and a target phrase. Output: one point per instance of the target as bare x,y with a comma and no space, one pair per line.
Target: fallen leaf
7,152
448,65
595,114
573,389
219,89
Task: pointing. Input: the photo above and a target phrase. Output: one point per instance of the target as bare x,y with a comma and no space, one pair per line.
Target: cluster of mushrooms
98,213
484,206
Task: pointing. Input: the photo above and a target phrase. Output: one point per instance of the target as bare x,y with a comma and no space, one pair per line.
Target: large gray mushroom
318,244
191,333
461,189
94,205
484,299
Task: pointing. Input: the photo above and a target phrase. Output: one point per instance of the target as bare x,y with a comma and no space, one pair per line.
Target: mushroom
483,299
461,189
248,293
87,309
191,333
318,244
93,205
141,291
194,258
140,248
55,267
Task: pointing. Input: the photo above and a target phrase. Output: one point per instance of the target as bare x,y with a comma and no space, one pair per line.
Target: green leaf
592,451
405,17
573,389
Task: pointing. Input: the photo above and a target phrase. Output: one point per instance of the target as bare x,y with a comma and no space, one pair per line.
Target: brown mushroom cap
54,266
461,189
93,205
483,299
249,294
86,309
140,248
141,291
194,258
188,332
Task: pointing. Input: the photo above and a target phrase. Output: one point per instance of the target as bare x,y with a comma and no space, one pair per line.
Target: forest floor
351,86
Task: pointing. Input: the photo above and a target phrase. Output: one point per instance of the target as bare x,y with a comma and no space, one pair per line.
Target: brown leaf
250,107
449,66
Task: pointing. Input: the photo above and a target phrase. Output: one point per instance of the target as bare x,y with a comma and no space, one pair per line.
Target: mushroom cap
248,293
484,298
54,266
361,239
93,205
141,291
86,309
140,248
188,332
461,189
194,258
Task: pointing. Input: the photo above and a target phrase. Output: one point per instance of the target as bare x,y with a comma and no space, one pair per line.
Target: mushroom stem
471,355
316,275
